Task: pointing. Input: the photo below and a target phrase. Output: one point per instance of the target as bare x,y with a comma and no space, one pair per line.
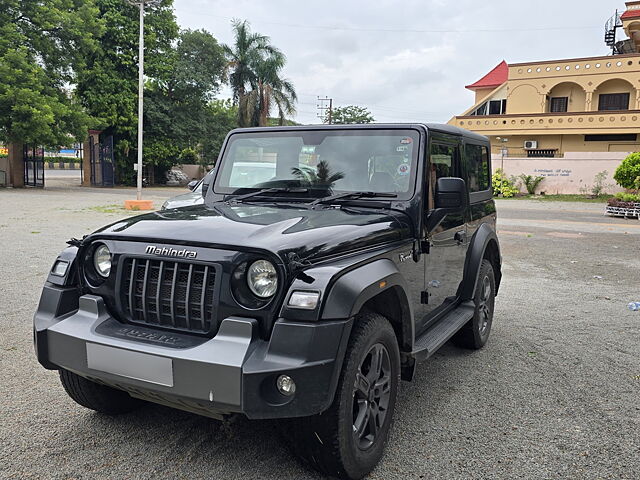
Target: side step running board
430,341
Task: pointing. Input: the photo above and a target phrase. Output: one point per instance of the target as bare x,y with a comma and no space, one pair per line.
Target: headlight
262,278
102,260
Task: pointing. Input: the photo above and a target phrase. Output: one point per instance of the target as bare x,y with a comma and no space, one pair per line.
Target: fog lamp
60,268
305,300
286,385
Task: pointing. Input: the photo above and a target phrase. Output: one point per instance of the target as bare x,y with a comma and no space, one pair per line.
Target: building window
611,137
497,107
481,110
476,159
613,101
558,104
492,107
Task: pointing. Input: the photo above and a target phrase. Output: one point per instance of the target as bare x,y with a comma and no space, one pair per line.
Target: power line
405,30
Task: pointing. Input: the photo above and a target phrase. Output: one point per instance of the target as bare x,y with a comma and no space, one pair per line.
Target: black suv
325,262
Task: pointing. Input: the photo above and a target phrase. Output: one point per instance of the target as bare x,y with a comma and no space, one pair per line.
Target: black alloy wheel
371,395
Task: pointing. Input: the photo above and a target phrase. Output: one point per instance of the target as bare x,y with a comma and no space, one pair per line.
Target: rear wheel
475,333
348,439
97,397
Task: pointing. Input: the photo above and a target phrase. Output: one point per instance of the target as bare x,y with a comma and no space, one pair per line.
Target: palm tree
320,177
255,80
274,90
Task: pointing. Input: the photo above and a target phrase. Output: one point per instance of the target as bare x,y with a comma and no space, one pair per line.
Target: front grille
176,295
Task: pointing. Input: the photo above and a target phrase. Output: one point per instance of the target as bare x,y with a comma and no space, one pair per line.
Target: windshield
323,161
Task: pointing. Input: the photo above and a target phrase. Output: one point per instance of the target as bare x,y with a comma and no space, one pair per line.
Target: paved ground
555,394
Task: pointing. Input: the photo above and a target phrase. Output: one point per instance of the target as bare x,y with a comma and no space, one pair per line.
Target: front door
448,241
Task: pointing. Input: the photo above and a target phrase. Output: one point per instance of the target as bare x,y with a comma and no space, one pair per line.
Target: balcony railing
579,122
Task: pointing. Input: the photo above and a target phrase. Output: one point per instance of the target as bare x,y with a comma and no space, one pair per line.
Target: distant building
547,108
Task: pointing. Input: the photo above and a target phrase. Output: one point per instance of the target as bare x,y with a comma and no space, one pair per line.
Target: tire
330,441
475,333
97,397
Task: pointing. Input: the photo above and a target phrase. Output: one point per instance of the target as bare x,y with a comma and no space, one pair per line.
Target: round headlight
102,260
262,278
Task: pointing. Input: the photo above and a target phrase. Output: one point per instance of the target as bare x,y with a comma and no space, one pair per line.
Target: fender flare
484,238
352,290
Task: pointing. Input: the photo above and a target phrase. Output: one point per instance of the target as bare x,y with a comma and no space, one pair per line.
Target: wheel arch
484,245
378,287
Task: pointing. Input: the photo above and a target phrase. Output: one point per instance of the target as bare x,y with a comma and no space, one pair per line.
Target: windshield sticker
406,140
403,169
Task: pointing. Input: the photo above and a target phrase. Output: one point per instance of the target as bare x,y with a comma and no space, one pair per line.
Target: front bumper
233,372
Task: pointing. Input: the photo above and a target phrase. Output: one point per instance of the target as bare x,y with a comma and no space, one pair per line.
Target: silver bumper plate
136,365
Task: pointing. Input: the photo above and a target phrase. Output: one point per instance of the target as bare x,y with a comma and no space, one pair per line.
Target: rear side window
477,165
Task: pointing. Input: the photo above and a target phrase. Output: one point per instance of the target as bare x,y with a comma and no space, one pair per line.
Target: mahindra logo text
170,252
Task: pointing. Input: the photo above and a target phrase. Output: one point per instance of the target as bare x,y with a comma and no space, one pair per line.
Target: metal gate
101,158
33,159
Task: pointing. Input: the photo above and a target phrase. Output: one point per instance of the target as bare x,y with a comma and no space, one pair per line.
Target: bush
628,197
189,156
598,187
530,182
628,172
502,185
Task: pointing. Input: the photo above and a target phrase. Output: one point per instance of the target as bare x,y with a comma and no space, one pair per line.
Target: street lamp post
141,4
503,150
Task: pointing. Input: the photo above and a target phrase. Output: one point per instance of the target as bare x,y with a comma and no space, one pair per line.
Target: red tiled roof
493,79
631,14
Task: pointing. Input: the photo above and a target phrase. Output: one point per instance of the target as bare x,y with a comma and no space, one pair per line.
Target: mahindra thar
324,263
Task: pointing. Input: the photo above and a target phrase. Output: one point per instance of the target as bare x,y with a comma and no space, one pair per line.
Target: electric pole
325,112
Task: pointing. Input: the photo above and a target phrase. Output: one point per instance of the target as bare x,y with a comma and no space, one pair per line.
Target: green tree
108,82
628,172
42,47
177,111
350,114
271,90
221,117
255,77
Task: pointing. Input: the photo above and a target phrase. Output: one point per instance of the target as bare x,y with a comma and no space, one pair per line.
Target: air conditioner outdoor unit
530,144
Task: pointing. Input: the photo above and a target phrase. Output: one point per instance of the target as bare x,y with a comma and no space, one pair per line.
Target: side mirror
192,184
450,194
205,184
450,197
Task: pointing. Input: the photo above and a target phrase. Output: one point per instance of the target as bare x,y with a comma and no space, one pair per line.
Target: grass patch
114,208
563,198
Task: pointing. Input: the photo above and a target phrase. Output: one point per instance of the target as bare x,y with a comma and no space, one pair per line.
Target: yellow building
543,109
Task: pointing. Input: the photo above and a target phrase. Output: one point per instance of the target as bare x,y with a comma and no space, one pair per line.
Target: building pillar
86,159
588,102
637,99
15,175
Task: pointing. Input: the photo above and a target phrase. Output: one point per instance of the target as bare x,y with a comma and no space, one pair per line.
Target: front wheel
348,439
475,333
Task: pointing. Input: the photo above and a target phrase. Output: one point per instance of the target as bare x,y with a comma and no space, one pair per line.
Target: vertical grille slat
172,294
187,307
143,299
158,290
203,294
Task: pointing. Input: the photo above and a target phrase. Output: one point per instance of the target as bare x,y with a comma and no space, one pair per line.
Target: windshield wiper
347,195
267,190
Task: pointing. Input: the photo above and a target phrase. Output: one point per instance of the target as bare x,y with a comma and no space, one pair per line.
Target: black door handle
460,236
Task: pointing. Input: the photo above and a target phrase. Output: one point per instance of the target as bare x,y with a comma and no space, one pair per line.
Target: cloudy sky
406,60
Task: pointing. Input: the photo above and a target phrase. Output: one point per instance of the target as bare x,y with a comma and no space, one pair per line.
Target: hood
308,234
184,200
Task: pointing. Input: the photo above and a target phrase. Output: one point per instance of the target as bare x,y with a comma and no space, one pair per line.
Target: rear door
448,241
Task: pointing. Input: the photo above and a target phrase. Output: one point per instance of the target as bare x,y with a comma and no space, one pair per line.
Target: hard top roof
435,127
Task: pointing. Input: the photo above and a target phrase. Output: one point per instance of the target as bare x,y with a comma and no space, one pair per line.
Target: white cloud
380,55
